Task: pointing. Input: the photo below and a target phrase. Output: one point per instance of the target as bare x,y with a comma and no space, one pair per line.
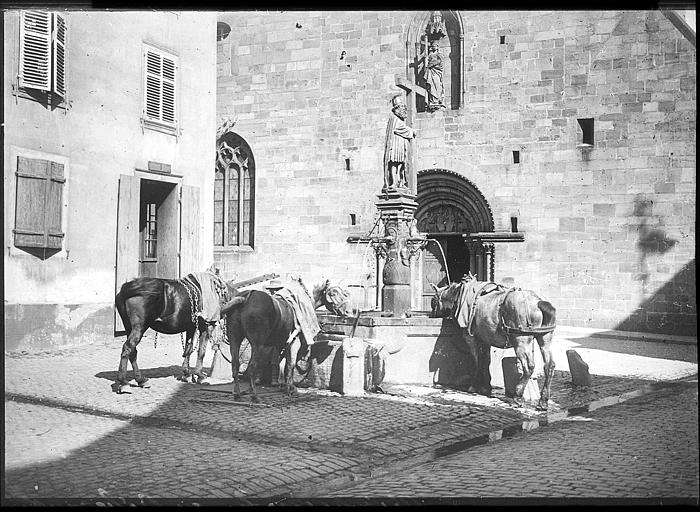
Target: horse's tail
120,304
236,301
549,313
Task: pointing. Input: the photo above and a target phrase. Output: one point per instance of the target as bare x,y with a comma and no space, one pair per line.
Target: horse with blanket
273,322
169,306
490,314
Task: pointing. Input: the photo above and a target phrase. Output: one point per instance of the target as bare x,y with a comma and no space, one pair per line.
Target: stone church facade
554,151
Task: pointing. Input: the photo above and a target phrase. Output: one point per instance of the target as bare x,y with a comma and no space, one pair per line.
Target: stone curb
578,332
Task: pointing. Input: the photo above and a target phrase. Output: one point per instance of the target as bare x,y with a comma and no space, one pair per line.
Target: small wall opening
353,219
514,224
347,164
503,39
516,157
587,131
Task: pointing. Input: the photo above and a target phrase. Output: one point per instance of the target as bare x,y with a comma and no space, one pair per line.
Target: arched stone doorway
450,208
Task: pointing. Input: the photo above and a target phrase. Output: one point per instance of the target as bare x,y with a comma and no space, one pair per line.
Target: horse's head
443,303
334,298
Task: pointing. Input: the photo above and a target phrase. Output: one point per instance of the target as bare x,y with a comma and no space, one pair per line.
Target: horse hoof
145,384
123,389
254,400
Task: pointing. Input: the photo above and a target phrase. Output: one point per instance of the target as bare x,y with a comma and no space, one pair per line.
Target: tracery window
234,193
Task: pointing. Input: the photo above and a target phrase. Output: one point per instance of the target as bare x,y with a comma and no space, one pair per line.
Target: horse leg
545,342
252,370
140,380
129,347
291,352
187,352
473,350
483,372
525,357
204,337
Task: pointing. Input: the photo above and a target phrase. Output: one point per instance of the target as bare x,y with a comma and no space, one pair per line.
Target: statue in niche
433,77
398,136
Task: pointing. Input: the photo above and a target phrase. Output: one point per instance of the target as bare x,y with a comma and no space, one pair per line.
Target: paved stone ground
645,447
67,435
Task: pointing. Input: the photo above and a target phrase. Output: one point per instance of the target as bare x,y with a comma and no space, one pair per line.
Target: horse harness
528,330
189,282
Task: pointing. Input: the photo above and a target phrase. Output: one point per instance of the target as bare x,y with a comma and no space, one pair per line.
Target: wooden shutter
152,85
35,50
190,255
168,108
59,55
39,203
160,80
127,235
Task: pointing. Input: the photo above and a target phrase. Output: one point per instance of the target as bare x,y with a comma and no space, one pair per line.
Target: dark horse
502,317
268,322
164,305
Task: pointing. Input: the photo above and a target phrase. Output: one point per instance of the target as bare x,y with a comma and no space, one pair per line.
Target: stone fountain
412,348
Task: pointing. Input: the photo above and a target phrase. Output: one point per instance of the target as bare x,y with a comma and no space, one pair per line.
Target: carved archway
442,192
450,208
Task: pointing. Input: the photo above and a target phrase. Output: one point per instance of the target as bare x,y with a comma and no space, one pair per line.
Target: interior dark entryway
450,209
158,229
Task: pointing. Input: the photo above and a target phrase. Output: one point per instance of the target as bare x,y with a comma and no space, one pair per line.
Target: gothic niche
444,219
437,61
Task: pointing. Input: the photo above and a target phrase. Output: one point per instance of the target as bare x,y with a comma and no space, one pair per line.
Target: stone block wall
609,228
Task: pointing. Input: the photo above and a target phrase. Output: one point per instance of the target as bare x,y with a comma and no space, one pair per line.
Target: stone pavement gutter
319,441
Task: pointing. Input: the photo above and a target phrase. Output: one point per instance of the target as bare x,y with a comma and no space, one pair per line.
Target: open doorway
450,209
158,229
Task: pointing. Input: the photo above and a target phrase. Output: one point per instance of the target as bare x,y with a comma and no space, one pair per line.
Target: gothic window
234,193
437,59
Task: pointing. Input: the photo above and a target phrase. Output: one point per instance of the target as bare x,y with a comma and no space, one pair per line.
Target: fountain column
397,208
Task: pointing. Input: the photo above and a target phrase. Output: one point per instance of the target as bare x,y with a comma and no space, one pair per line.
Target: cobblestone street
646,447
69,437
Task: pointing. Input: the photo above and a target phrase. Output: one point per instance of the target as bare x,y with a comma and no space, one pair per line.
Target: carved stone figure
433,77
398,136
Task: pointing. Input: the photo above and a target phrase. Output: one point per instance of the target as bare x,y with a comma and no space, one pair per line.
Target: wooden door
127,261
168,235
455,257
190,253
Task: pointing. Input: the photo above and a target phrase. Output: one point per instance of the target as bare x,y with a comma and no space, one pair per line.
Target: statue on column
398,137
433,77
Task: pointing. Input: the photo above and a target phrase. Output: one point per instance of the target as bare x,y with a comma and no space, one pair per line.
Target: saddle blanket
209,284
304,313
466,303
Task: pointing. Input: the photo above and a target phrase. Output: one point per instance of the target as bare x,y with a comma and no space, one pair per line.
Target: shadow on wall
671,310
652,238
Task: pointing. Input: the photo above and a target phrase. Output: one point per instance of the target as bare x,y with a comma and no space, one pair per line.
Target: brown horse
268,323
166,306
492,315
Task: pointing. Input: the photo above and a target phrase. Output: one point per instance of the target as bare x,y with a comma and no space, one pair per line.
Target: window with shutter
39,203
160,79
43,55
